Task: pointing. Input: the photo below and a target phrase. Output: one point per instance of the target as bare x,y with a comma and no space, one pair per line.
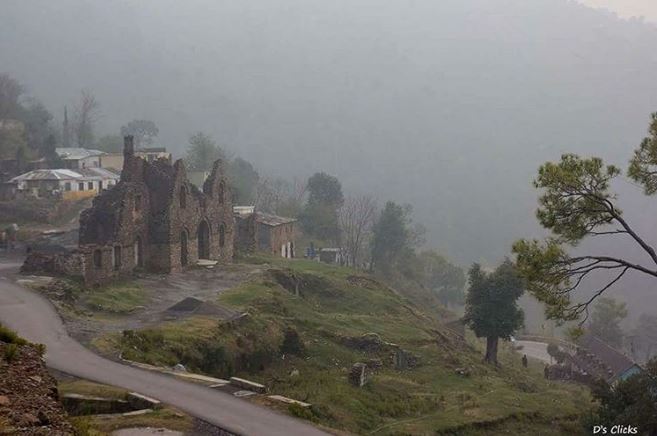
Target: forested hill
449,105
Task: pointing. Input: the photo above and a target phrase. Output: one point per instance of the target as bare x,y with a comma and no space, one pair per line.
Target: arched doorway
203,240
139,253
183,248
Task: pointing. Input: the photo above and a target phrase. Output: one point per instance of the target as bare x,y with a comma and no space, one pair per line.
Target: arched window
183,248
222,188
203,237
117,257
222,236
183,197
98,259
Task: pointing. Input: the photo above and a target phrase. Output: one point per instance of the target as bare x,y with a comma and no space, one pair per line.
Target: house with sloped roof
596,358
79,158
264,232
65,183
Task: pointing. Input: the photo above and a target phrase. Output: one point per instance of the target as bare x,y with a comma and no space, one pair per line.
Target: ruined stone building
156,220
264,232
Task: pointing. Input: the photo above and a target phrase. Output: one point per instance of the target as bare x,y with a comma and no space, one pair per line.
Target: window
90,186
183,197
222,236
117,257
67,186
81,186
221,192
98,259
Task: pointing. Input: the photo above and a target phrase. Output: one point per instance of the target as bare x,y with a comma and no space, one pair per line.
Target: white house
69,184
76,158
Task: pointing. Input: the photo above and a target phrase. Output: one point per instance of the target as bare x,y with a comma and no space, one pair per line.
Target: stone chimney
128,146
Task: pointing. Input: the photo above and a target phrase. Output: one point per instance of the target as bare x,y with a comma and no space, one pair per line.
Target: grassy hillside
334,308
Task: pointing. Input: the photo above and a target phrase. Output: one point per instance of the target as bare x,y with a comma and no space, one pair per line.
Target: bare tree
356,219
268,194
85,118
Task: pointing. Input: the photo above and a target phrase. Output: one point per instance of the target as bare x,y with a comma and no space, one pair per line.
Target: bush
10,336
11,352
292,343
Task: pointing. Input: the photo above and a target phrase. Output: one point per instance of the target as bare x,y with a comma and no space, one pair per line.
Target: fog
447,105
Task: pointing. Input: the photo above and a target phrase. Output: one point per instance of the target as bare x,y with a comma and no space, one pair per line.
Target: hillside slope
308,323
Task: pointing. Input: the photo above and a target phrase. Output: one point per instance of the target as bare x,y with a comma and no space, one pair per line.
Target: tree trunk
491,350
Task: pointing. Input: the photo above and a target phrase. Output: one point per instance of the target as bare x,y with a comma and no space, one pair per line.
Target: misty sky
448,105
628,8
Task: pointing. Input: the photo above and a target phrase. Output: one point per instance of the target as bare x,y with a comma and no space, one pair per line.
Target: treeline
383,240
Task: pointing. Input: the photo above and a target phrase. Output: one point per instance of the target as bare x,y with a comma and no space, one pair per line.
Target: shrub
9,336
11,352
292,343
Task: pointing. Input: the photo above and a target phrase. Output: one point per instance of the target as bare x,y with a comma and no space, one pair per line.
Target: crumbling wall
155,219
245,234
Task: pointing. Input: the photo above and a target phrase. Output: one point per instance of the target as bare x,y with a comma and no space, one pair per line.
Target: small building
78,158
264,232
115,160
64,183
596,358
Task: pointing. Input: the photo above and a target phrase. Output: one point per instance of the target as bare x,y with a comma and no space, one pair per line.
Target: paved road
36,320
537,350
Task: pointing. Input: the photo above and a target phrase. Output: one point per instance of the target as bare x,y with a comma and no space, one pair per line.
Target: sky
628,8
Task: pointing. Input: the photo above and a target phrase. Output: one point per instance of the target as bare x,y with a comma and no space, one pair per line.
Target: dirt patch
163,293
193,306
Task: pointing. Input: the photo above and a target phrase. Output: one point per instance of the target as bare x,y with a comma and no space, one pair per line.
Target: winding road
537,350
34,318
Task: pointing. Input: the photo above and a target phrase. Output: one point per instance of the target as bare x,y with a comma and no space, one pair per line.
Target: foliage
10,337
605,322
11,91
643,166
491,309
392,239
11,352
143,131
244,181
110,143
443,277
202,152
556,353
292,343
632,401
320,215
577,203
644,337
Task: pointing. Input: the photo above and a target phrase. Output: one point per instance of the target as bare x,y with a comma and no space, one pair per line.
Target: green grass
336,303
118,298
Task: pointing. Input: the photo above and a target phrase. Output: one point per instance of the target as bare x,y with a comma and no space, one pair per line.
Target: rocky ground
28,395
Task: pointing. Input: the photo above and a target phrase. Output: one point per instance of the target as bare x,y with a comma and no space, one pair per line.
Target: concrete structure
264,232
64,183
155,219
78,158
597,358
115,160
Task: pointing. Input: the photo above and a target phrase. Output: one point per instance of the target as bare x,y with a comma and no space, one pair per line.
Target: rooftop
613,359
272,220
75,153
64,174
48,175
